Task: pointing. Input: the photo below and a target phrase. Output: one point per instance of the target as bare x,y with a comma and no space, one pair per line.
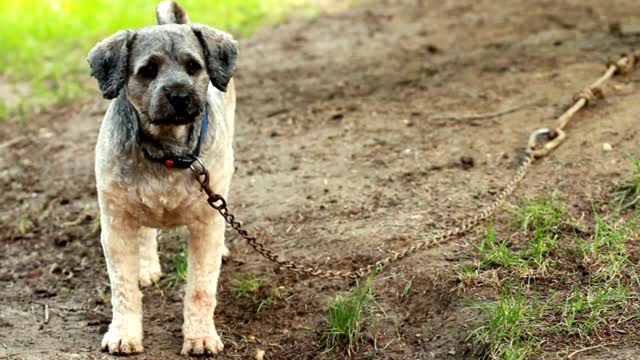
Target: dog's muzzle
177,120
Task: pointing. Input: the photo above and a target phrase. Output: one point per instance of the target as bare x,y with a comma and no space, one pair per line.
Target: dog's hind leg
119,239
150,270
206,246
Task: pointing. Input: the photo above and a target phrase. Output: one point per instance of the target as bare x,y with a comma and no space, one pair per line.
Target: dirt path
340,159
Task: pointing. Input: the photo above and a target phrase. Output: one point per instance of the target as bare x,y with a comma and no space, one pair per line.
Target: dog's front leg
206,246
120,243
150,271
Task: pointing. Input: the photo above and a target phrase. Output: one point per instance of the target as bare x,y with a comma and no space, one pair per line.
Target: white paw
150,273
120,341
205,345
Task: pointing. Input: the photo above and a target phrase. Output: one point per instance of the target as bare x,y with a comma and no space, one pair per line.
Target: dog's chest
163,202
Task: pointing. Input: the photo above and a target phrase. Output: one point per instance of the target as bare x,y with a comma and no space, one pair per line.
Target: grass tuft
274,295
346,317
626,194
180,262
586,310
248,286
24,224
508,333
582,295
607,251
494,251
544,215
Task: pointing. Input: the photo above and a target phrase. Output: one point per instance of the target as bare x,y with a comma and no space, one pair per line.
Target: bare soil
342,157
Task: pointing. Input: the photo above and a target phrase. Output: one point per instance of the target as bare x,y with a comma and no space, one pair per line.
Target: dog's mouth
177,119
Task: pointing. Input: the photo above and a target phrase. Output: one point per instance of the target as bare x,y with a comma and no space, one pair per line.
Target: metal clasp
543,147
200,173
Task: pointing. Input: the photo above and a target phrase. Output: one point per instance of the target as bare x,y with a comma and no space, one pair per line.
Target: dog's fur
139,69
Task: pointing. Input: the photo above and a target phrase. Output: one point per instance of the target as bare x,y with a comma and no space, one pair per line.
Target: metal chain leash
541,143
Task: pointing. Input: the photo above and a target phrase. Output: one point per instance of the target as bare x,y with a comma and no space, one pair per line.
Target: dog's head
165,69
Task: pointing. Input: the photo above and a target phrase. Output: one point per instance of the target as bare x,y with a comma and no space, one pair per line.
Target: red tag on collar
169,162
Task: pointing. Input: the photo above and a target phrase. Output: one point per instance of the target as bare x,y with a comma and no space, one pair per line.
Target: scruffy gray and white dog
173,100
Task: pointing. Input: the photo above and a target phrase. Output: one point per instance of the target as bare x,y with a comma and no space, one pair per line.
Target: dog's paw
207,345
119,342
149,273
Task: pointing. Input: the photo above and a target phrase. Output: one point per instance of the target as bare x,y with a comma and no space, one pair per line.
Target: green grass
346,316
545,214
496,252
274,295
607,252
24,224
44,43
519,324
509,331
585,293
247,286
585,310
541,244
263,292
541,220
103,296
626,195
180,262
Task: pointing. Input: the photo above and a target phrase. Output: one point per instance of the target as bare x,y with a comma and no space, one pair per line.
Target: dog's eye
149,71
193,67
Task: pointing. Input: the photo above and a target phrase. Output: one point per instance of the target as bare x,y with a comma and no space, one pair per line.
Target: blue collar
203,132
183,162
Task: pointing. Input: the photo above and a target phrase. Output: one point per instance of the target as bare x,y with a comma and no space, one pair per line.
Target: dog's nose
179,99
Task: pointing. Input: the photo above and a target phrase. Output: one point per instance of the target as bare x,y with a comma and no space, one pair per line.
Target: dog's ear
220,52
169,12
109,61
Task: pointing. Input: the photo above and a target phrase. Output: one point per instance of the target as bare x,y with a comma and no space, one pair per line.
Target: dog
173,100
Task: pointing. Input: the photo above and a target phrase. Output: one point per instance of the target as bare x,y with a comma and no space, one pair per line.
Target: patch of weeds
346,316
264,303
585,310
274,296
494,251
248,286
543,219
24,224
518,324
626,194
509,331
261,292
584,294
543,215
609,296
607,250
538,248
103,297
468,274
180,262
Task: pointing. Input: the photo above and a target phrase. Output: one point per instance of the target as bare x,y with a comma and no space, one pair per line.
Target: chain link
553,138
